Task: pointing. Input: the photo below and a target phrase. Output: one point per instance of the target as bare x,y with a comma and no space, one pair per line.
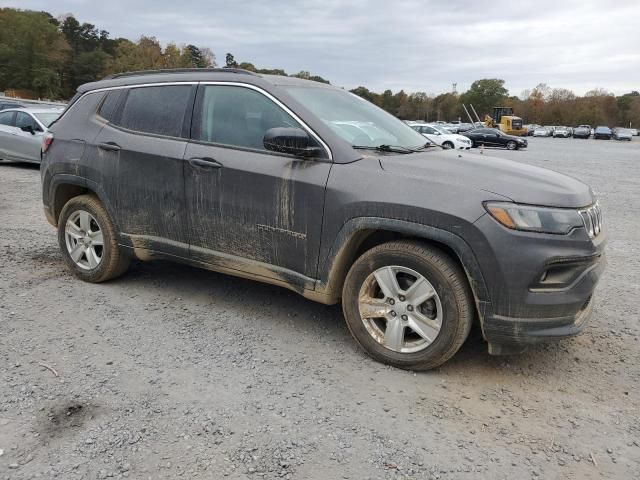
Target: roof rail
178,70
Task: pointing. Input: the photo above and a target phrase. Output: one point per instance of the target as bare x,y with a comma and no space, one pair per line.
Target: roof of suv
196,75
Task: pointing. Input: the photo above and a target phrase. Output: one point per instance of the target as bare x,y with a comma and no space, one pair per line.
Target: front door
24,144
247,206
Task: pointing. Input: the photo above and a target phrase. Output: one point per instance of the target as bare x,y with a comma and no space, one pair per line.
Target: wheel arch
363,233
64,187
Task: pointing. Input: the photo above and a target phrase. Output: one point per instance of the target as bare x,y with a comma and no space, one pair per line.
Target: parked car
463,127
492,137
22,130
531,128
561,132
439,136
245,174
582,131
603,133
542,132
622,134
4,104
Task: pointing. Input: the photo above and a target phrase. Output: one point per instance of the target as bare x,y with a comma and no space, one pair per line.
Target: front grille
592,218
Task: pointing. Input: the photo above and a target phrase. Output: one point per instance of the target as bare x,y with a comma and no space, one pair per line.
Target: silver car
21,131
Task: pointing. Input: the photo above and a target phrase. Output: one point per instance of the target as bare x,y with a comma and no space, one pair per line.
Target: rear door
144,142
248,206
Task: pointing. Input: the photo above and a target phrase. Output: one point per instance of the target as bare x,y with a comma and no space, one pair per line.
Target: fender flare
333,268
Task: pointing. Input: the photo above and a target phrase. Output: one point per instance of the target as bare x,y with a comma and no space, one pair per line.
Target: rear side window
159,110
6,118
109,106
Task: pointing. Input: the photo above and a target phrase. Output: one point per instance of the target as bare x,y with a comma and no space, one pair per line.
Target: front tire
511,145
88,242
408,305
447,145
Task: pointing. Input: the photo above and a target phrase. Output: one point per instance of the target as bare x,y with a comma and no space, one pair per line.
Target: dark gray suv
309,187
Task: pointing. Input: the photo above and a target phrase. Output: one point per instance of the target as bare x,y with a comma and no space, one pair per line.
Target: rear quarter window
110,104
160,110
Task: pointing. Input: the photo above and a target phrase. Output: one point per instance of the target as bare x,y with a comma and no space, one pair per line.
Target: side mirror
294,141
28,128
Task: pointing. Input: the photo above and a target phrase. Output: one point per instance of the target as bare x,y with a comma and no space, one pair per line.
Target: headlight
535,219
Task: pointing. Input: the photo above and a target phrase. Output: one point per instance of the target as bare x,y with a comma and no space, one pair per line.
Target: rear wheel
511,145
88,242
408,305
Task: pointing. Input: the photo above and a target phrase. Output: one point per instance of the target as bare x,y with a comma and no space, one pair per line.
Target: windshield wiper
392,148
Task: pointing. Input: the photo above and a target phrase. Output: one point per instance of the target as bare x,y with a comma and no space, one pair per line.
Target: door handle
204,162
110,146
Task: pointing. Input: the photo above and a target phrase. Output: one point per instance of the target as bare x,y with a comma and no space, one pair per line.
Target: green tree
485,94
32,53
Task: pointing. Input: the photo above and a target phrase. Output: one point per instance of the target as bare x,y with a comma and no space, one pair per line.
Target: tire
97,263
451,305
511,145
447,145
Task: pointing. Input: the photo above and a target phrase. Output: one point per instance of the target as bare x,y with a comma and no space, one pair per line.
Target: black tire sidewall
450,323
91,205
514,144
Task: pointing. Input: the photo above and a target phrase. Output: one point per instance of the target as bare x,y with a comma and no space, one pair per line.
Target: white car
542,132
440,136
21,132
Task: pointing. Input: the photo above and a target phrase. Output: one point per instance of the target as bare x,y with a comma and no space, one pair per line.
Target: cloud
414,45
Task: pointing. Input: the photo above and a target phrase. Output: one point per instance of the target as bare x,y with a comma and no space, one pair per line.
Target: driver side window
236,116
26,120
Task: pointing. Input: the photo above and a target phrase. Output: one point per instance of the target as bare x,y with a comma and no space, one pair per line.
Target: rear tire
88,242
444,319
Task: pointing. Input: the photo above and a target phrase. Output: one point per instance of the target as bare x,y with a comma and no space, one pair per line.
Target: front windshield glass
356,120
47,118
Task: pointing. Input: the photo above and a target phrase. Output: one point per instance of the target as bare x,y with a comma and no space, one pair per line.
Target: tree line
542,105
47,57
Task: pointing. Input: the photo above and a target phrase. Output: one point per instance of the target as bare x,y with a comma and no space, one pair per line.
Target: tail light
47,140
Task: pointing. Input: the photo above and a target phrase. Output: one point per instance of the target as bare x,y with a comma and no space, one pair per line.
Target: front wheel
447,145
408,305
511,145
87,239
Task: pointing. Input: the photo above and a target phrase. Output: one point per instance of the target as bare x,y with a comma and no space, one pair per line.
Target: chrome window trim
306,127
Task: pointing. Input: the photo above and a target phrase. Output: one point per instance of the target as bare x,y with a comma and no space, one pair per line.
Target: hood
515,181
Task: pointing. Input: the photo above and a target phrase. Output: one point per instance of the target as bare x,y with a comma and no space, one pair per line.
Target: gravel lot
176,372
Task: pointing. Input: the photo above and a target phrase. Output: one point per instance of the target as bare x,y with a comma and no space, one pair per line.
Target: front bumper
541,286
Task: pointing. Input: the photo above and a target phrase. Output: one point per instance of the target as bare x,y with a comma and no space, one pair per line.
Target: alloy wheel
400,309
84,240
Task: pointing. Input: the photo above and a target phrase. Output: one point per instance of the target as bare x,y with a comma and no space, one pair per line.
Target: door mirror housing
28,128
293,141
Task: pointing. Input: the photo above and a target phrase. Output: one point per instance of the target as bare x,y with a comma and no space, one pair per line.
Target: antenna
455,88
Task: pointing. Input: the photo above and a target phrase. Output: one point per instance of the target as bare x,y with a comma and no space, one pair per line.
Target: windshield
438,128
47,118
356,120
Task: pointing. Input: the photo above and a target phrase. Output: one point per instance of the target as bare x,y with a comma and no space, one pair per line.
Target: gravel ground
175,372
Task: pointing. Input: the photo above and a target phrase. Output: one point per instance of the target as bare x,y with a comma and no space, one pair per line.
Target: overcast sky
417,45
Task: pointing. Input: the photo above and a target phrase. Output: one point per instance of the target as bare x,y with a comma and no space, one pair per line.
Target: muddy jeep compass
309,187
